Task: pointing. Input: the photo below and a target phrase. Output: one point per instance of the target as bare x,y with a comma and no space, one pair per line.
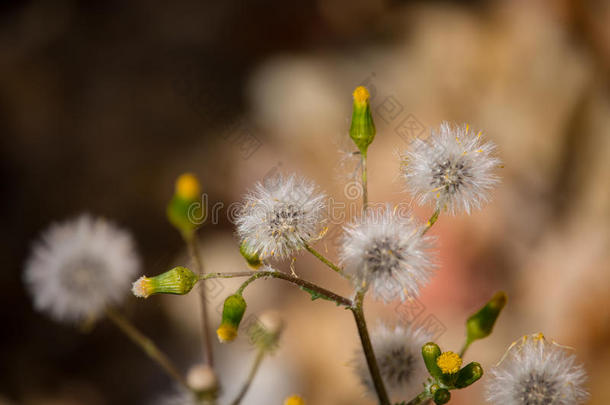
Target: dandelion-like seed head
398,353
280,215
537,372
453,168
79,267
387,252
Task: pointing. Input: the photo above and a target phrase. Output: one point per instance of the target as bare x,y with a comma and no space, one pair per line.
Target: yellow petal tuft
449,362
187,186
294,400
226,333
361,95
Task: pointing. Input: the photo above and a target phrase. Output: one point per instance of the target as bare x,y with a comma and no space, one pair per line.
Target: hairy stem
254,275
255,366
147,345
208,354
365,193
323,259
367,347
420,399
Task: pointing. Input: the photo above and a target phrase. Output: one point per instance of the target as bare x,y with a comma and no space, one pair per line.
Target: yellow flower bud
294,400
362,130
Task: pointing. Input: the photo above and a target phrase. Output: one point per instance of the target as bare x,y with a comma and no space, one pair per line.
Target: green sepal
362,129
251,257
468,375
233,310
177,281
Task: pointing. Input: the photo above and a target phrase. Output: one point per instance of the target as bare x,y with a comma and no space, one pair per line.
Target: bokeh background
103,104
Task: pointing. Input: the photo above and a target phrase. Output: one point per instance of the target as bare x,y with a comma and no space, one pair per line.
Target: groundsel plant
79,272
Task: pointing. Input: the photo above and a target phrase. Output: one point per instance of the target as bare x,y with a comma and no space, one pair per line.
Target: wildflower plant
81,270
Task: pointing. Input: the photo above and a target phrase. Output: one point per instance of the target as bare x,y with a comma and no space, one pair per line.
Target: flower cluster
82,268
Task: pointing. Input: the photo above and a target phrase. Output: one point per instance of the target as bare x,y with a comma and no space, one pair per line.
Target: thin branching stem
431,221
208,353
255,275
147,345
255,366
323,259
367,347
467,344
365,192
422,398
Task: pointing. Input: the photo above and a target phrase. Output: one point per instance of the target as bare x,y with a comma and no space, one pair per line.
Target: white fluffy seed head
79,267
398,353
537,372
386,251
453,169
280,215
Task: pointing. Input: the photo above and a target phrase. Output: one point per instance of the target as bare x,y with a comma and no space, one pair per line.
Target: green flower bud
480,325
251,257
430,352
468,375
442,396
178,280
232,313
184,209
362,129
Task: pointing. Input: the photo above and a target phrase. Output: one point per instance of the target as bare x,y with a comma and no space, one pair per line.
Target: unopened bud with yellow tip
178,280
232,313
294,400
362,130
185,211
252,258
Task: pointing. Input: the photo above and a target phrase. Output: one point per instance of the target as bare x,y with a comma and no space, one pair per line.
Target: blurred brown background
103,104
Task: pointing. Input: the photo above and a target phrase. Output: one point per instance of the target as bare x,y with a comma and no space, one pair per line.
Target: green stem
431,221
365,193
367,347
323,259
254,275
208,353
467,344
255,366
420,399
147,345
